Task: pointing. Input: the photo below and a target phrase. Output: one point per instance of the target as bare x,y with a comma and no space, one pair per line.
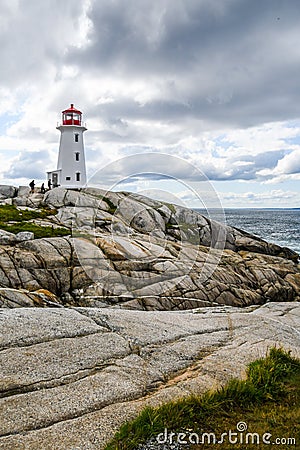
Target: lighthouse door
55,179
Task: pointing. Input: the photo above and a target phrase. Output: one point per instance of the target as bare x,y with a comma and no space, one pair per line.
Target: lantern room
71,116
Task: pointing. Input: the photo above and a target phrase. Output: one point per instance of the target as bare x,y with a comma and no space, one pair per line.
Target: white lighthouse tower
71,171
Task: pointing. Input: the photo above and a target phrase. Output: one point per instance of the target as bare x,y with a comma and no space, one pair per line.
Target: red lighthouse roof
72,110
71,116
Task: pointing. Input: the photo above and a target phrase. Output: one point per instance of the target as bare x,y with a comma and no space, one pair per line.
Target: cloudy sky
213,83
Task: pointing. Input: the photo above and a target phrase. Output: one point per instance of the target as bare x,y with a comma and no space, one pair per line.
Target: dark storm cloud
234,63
155,76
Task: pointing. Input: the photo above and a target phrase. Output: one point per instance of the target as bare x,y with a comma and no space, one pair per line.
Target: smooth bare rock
7,191
154,292
23,191
24,236
128,251
145,272
20,201
140,214
7,238
140,217
30,201
83,218
56,197
70,377
26,199
60,197
42,325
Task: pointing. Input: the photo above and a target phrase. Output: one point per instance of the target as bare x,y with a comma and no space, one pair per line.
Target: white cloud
215,83
273,198
290,164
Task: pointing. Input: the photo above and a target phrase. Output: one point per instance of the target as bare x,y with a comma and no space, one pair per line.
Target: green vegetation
171,226
11,213
15,220
112,207
267,401
39,231
171,207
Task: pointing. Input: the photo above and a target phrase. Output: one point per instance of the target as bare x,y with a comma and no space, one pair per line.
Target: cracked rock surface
70,377
139,305
128,251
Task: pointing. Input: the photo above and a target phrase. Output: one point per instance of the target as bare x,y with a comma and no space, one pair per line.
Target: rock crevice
72,385
123,252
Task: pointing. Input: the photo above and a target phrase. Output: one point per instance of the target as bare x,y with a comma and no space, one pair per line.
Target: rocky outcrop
7,191
140,274
90,322
70,377
128,251
17,298
100,211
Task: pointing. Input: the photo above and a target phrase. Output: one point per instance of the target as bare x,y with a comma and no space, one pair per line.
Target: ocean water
280,226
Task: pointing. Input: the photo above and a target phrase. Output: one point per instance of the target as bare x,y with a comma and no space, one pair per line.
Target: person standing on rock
31,184
43,190
49,184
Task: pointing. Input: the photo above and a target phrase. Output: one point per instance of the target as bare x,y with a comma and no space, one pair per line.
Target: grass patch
171,226
15,220
11,213
268,401
39,231
171,207
112,208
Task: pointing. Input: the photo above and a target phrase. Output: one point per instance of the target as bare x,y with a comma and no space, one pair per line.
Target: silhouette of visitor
31,184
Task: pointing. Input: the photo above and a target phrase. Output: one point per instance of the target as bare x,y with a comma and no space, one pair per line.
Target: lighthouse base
55,179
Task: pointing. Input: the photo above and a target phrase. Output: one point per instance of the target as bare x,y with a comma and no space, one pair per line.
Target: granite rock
70,377
7,191
129,251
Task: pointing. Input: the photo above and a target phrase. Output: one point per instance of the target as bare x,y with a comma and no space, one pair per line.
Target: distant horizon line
254,207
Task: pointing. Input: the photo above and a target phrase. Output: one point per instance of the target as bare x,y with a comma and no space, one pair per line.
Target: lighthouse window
76,136
78,176
68,178
77,156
